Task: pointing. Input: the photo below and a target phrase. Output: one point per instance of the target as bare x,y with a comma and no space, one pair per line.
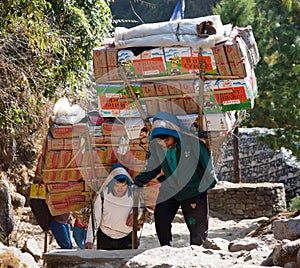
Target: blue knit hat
166,124
119,172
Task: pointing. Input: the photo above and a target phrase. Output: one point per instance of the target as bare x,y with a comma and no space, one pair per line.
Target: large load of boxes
77,158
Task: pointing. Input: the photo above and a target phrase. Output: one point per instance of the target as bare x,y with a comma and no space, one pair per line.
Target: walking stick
136,193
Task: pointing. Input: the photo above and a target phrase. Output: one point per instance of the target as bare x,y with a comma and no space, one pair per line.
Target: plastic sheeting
170,33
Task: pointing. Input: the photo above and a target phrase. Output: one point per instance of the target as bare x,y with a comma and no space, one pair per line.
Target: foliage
45,47
155,10
276,28
294,204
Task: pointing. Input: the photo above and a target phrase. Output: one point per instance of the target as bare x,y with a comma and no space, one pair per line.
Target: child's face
120,188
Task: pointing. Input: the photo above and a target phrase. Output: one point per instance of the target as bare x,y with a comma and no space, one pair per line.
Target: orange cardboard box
52,159
105,140
61,208
54,176
113,129
64,158
71,186
62,197
68,131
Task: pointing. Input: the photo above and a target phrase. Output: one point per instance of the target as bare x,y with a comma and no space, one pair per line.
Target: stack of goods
167,77
59,168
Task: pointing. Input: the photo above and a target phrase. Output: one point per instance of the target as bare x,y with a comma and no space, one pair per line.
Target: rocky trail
228,245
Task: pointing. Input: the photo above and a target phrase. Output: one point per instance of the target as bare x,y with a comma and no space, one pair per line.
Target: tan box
161,89
152,107
221,59
148,89
178,106
235,58
165,105
99,62
187,86
191,105
174,87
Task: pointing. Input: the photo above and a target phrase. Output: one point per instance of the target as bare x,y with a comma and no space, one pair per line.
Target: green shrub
294,204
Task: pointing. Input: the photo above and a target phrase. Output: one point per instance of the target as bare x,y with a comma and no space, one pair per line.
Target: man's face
166,143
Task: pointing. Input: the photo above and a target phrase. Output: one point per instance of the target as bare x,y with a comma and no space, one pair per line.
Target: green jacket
194,173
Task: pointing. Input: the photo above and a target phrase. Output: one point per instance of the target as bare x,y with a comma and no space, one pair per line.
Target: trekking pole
136,194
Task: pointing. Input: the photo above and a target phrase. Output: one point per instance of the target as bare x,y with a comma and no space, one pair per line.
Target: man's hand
88,245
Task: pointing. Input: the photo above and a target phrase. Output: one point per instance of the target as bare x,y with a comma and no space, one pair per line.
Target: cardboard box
228,95
165,105
152,107
174,87
62,197
71,186
218,122
161,89
149,63
100,63
191,105
178,60
115,100
113,129
187,86
52,159
105,140
68,131
112,63
54,176
61,208
235,58
148,90
221,59
205,55
178,106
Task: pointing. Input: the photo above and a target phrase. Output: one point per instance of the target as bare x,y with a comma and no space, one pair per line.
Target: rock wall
258,163
235,201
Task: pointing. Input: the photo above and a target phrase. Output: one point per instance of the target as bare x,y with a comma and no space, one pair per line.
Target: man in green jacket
188,175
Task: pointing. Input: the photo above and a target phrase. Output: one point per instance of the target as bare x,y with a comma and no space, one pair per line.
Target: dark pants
195,212
108,243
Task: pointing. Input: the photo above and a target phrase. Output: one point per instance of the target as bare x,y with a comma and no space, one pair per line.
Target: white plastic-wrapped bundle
170,33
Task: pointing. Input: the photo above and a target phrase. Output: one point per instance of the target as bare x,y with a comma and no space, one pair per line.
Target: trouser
79,234
108,243
62,234
195,212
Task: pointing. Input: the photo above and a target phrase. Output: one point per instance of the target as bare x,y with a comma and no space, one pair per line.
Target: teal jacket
194,173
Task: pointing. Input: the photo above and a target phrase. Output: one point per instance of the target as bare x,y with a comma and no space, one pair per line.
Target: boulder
6,216
286,228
